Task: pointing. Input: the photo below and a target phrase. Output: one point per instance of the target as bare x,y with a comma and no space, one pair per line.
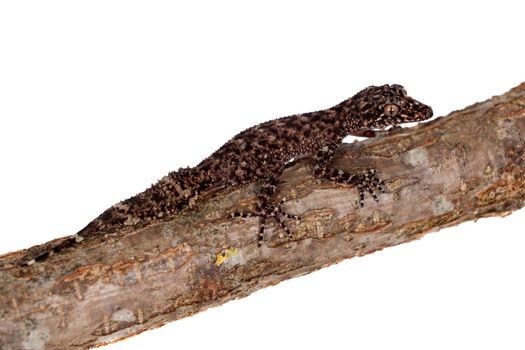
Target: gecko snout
427,113
418,111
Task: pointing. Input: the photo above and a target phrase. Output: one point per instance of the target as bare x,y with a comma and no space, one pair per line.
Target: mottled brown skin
260,153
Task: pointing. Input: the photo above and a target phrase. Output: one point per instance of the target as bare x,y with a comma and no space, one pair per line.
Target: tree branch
468,165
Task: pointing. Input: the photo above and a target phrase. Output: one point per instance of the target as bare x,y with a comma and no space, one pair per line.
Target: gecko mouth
375,130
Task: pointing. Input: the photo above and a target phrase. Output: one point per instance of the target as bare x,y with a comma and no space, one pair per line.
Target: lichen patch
441,205
417,157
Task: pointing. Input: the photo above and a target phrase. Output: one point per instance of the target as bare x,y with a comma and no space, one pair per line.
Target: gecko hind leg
277,214
265,210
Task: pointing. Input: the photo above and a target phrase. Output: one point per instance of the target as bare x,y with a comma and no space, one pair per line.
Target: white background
99,99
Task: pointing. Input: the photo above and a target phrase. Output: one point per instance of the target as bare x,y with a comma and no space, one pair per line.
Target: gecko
260,153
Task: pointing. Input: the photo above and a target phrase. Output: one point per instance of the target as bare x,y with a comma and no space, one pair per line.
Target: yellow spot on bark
222,257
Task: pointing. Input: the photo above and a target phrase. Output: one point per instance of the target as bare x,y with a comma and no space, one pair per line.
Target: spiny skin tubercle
260,153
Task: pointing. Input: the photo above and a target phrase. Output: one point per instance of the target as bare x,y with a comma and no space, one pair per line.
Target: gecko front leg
368,181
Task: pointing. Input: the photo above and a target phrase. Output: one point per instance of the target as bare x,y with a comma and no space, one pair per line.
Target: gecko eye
391,110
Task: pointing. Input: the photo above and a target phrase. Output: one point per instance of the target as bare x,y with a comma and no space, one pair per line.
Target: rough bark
467,165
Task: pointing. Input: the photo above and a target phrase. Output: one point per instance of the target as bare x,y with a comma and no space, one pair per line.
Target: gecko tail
169,195
43,251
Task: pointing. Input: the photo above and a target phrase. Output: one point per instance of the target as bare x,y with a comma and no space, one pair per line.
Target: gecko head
386,105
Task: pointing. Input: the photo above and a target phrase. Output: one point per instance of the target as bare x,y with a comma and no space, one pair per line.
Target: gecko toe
271,212
371,183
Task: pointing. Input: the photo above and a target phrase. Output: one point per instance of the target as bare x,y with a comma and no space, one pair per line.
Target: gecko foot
365,182
275,212
370,182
